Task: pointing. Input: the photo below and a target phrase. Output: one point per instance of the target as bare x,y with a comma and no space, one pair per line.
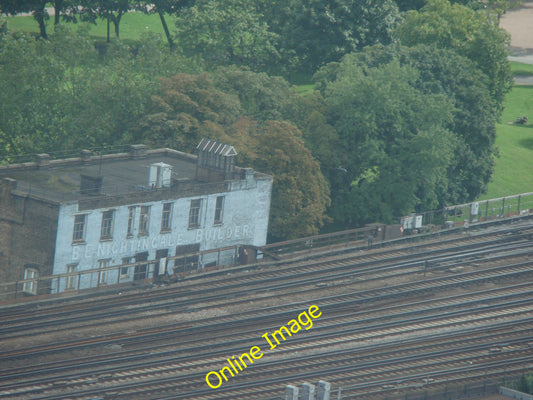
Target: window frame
125,271
107,225
31,286
78,235
131,221
102,275
144,221
71,280
166,217
195,213
219,210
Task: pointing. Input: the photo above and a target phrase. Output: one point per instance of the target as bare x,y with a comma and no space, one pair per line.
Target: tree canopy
401,118
227,33
315,32
467,32
192,106
474,111
396,146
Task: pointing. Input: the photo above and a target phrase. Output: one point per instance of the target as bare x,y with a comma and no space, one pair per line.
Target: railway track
233,278
461,306
336,333
337,323
347,366
335,303
298,280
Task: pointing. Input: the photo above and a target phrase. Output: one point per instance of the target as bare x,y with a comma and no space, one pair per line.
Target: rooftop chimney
160,175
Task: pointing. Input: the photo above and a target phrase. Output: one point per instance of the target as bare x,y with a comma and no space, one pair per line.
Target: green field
132,26
521,69
514,168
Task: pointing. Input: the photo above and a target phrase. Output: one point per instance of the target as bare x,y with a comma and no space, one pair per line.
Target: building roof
123,173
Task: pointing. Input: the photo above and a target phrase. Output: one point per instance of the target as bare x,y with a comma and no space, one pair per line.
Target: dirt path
519,23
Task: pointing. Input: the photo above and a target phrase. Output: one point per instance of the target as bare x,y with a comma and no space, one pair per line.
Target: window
219,208
31,286
141,270
194,213
71,280
186,262
131,220
166,218
124,271
144,220
106,232
102,275
79,228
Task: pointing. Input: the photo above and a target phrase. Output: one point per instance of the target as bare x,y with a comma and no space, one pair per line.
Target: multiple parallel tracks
406,319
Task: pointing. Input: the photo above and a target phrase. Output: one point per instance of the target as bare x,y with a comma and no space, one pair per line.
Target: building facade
95,212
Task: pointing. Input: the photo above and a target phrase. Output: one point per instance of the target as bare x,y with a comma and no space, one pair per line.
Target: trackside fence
443,221
481,211
347,238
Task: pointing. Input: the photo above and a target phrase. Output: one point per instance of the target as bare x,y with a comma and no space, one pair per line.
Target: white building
95,212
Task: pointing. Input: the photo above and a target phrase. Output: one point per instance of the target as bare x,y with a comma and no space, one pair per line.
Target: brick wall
28,228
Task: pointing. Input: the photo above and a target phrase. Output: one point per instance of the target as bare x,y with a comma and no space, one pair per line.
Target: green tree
36,7
30,85
474,111
227,33
300,195
262,96
182,110
59,94
500,7
474,119
66,10
265,98
395,145
162,7
405,5
111,11
189,107
315,32
469,33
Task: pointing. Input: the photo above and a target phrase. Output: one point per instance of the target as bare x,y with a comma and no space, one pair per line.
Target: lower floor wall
158,264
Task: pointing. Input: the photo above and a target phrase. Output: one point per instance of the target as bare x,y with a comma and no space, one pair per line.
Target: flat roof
60,180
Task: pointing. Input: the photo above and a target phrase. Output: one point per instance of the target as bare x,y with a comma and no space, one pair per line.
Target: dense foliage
525,384
315,32
467,32
474,111
402,118
395,136
245,109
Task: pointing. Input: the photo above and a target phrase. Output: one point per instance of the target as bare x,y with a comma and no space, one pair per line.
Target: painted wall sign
137,244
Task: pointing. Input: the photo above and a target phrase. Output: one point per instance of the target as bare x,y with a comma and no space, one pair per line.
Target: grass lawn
521,68
305,89
132,25
514,169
